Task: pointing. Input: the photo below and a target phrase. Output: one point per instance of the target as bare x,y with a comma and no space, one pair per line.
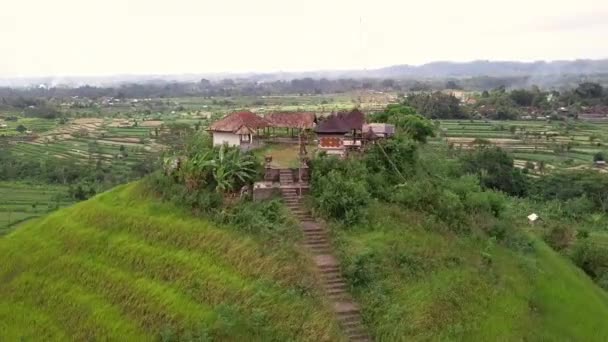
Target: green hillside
418,281
125,267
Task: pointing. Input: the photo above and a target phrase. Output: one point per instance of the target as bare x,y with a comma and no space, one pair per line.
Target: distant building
237,129
380,130
600,163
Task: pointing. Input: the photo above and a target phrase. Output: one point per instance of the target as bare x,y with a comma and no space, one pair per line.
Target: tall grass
416,280
124,266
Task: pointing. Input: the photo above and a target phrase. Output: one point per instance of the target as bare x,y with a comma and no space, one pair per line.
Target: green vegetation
560,144
20,202
417,281
125,266
437,253
434,239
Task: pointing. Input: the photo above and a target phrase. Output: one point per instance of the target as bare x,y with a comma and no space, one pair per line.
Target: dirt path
316,239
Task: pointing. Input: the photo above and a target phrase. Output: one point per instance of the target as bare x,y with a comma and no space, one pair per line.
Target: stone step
316,239
349,319
336,277
319,250
313,230
335,290
349,324
355,329
335,286
334,283
329,268
315,235
359,337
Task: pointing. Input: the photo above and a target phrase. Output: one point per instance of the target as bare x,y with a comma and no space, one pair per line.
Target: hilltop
126,266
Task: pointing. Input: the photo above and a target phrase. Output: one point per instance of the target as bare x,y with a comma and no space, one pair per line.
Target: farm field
35,125
559,144
20,202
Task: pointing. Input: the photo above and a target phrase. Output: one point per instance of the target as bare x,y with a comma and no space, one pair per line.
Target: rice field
562,144
20,202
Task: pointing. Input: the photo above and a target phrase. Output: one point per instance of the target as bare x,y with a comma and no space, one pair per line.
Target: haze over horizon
104,38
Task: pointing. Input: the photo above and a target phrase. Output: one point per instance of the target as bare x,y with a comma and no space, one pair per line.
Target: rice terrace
303,172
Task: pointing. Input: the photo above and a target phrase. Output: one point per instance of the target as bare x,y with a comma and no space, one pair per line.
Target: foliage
593,259
574,184
599,156
269,218
339,189
417,281
437,105
495,170
407,121
560,237
219,168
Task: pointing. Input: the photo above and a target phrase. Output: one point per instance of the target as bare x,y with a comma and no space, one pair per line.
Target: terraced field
96,139
558,143
20,202
34,125
126,267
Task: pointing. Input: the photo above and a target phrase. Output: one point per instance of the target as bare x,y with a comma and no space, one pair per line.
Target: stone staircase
316,239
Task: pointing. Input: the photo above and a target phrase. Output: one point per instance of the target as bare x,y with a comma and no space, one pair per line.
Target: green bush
341,197
593,259
560,237
268,218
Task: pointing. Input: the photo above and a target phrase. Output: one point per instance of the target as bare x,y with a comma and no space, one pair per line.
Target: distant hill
124,266
443,69
496,69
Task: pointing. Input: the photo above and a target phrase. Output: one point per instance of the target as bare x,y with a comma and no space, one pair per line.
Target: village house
340,132
238,129
378,130
292,122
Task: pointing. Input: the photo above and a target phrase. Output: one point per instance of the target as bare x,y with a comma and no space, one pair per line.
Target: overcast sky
91,37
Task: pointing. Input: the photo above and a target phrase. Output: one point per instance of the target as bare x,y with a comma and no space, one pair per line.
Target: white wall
231,139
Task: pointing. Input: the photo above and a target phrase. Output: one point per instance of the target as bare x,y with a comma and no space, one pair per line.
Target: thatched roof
300,120
239,122
342,122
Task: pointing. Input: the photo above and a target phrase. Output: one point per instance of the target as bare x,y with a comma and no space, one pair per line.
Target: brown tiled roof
342,122
292,120
238,121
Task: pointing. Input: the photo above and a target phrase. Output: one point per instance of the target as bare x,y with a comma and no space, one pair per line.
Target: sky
92,37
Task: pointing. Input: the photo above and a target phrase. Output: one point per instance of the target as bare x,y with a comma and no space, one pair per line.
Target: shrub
560,237
341,197
269,217
593,260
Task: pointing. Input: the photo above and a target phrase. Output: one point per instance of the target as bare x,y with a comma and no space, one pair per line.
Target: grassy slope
123,266
419,284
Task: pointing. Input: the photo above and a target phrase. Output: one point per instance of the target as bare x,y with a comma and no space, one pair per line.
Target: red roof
239,121
342,122
292,120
